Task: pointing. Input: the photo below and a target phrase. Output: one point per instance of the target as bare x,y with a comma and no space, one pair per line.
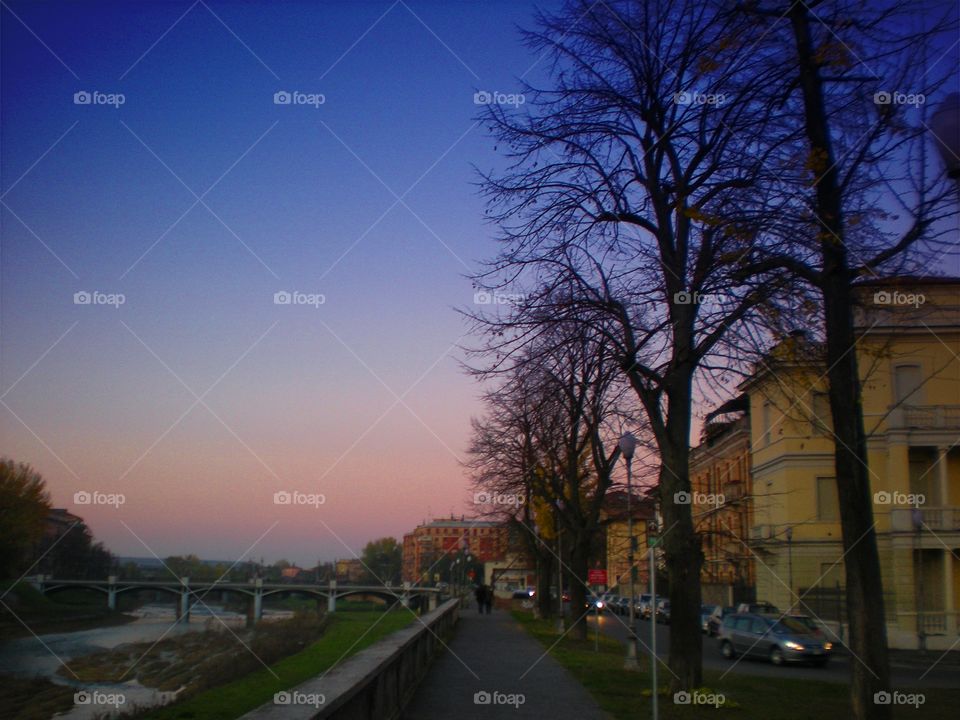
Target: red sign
471,574
597,577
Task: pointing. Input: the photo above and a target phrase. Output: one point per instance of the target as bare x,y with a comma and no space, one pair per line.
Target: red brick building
426,547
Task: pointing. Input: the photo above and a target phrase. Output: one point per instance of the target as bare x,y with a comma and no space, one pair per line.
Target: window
822,421
758,626
828,504
767,412
906,384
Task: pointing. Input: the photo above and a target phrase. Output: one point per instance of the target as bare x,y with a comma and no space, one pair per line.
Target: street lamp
628,444
790,562
945,127
560,625
917,517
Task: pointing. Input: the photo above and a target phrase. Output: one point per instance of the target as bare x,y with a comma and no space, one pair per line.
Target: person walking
488,598
481,595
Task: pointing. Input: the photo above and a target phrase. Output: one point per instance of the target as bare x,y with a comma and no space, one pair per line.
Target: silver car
779,639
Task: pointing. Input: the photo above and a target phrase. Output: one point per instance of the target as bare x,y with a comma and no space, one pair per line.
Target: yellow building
615,522
720,481
908,348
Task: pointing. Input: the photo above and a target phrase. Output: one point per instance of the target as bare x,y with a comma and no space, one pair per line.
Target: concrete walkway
494,669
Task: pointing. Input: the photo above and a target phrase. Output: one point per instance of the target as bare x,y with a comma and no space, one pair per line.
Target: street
838,670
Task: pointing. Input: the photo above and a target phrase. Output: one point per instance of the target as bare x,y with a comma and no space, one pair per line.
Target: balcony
925,417
943,519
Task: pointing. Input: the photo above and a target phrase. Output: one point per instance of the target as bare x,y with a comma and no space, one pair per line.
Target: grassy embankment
627,694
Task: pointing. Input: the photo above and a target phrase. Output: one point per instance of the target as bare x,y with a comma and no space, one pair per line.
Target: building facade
614,520
908,351
427,549
721,488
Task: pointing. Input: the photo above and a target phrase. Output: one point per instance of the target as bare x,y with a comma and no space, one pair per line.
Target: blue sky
303,198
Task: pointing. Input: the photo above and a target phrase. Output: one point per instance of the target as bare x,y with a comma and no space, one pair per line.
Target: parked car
663,611
622,606
716,618
779,639
706,612
643,608
762,607
524,593
810,624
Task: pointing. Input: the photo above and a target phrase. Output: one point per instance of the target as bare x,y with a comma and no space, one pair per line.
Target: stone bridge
188,592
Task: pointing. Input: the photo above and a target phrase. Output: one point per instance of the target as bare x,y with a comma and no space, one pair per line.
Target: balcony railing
933,518
934,417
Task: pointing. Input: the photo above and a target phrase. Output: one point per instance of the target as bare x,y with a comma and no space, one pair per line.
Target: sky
171,173
182,207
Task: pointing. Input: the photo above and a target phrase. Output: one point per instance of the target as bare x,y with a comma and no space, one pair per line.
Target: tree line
688,184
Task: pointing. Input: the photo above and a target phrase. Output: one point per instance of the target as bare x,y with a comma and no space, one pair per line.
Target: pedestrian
481,594
488,598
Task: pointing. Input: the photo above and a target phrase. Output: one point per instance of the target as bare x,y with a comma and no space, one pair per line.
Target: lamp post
628,444
917,517
790,563
560,624
945,127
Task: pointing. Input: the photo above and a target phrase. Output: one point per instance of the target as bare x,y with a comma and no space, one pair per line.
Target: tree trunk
579,562
547,583
682,552
865,612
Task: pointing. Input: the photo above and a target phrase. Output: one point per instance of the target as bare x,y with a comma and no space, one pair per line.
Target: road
838,671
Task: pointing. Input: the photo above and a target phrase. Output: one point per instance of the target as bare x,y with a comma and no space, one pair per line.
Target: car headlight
599,603
828,646
792,645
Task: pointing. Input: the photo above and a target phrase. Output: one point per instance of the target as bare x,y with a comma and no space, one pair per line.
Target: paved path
492,654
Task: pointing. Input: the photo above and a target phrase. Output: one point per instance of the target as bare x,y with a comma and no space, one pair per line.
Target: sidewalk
491,654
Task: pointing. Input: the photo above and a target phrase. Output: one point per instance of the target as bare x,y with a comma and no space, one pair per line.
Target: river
43,655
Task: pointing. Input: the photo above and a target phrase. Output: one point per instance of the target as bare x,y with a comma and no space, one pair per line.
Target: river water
43,655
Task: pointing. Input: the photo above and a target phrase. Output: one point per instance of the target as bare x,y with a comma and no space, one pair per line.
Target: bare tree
868,200
634,193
